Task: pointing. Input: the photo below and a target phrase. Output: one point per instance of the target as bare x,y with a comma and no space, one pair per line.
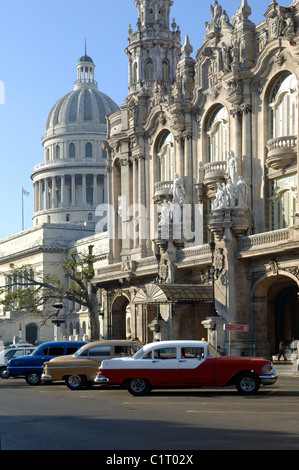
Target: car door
194,368
95,356
164,366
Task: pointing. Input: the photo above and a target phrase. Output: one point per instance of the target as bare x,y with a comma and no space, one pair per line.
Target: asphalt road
52,417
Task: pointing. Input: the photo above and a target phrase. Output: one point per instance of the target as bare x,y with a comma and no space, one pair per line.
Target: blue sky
40,43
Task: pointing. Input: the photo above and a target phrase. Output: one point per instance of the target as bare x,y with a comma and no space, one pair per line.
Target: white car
20,345
7,354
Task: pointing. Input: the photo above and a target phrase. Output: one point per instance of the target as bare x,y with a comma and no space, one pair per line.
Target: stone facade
202,209
202,179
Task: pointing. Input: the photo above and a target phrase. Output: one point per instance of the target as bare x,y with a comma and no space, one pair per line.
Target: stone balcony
282,152
214,172
162,190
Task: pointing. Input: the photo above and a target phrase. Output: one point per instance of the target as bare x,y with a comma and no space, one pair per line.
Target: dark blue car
31,367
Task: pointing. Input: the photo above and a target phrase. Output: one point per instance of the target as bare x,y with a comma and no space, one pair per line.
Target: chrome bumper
101,379
46,378
269,379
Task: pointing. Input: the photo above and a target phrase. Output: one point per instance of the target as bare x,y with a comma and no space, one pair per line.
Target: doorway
287,315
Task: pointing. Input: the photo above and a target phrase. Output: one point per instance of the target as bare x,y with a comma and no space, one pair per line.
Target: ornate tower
154,49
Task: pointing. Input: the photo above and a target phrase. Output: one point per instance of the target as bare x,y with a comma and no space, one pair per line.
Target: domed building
68,186
70,183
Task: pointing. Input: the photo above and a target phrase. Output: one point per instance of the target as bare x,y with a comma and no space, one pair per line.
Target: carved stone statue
233,167
242,192
221,197
178,191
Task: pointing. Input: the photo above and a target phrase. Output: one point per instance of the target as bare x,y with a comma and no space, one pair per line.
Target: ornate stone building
202,182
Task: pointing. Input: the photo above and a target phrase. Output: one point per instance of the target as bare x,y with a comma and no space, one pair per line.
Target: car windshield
78,352
140,353
212,352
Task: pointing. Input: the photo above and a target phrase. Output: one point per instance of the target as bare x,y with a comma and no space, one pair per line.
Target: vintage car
185,364
79,370
7,354
31,367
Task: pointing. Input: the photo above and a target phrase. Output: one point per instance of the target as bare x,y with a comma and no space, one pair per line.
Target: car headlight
267,369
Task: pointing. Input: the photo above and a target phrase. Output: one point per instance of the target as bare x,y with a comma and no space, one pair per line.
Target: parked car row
165,364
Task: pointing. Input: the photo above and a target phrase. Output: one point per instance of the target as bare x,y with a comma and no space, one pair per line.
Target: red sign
231,327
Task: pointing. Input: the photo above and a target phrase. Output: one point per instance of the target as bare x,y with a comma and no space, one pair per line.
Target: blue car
31,367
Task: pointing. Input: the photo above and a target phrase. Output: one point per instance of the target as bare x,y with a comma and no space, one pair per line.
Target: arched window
283,107
218,135
282,199
149,69
72,150
166,158
57,152
283,118
165,69
88,150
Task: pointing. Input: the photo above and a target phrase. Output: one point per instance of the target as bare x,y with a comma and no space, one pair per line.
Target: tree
27,290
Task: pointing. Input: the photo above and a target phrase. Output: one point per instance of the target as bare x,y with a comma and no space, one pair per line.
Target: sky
40,44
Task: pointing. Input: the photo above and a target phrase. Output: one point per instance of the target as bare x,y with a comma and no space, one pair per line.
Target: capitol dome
71,182
83,108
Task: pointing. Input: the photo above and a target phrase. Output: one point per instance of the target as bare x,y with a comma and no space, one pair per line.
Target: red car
185,364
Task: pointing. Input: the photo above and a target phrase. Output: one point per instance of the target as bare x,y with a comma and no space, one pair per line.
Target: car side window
123,350
100,351
148,355
71,350
28,351
165,353
192,353
55,351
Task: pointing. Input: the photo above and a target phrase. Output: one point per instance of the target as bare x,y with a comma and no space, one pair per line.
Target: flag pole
22,209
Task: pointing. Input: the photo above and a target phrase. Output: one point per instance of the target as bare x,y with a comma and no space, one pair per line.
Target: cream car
80,369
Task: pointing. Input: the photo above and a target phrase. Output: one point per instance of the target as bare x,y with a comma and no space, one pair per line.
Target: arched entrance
31,333
287,315
275,313
119,318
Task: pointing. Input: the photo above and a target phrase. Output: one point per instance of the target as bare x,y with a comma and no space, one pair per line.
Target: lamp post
57,323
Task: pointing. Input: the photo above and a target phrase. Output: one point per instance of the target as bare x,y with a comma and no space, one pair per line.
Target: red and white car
185,364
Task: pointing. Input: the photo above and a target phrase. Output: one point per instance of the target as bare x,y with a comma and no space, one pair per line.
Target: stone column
188,177
73,189
53,192
95,190
83,190
62,188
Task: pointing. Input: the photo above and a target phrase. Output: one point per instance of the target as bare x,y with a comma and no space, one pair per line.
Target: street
52,417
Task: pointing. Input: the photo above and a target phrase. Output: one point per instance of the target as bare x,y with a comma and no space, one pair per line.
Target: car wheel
247,383
139,386
33,378
75,382
3,373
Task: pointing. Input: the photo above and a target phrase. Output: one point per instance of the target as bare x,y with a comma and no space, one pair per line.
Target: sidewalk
285,368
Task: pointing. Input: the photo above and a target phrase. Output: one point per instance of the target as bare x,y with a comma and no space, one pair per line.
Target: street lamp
57,323
213,274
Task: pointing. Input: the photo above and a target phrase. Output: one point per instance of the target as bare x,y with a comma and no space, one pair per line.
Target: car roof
62,343
176,343
111,342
